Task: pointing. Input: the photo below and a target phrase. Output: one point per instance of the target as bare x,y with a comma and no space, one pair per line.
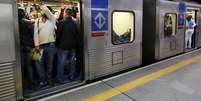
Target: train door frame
59,88
196,11
199,29
17,68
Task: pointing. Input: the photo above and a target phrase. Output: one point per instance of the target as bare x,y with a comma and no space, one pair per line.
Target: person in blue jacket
190,28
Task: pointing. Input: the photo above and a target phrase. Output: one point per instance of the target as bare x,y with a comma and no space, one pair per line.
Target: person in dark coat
67,39
26,31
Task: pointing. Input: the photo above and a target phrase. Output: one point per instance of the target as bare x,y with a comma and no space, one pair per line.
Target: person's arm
61,15
194,24
186,24
48,13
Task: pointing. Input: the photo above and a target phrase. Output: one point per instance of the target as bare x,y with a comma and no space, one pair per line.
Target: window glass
170,23
122,27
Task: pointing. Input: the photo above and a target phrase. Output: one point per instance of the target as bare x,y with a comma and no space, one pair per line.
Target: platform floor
175,79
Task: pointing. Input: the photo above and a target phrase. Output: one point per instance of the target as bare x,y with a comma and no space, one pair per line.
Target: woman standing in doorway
190,27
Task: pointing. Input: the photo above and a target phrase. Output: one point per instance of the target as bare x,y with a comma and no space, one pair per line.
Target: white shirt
46,29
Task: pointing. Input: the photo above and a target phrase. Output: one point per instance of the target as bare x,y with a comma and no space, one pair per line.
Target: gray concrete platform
181,85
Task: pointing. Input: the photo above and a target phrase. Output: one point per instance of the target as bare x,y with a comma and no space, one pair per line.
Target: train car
164,28
115,35
117,45
108,47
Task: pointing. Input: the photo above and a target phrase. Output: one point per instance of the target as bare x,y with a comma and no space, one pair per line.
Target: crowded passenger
26,39
43,64
67,37
44,39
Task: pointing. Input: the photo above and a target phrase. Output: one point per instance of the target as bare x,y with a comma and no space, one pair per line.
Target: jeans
188,38
62,55
26,61
46,61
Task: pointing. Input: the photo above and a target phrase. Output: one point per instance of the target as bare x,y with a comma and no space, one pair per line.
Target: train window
123,27
170,24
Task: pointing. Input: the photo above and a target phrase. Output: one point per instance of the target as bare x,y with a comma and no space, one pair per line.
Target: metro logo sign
99,17
99,20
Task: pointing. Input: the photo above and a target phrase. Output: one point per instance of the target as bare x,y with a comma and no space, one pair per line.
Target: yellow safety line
141,81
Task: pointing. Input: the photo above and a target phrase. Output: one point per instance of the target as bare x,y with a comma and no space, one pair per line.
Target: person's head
189,17
51,10
21,13
68,12
44,16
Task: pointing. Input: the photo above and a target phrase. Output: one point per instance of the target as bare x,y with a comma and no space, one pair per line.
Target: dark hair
44,16
74,12
189,17
68,11
21,13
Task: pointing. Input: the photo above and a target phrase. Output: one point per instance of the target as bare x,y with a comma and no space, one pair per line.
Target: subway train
116,35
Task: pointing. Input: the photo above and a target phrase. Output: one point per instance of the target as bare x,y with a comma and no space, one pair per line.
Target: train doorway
51,65
190,40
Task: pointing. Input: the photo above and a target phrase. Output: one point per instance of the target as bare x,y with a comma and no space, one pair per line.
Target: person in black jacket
66,41
26,31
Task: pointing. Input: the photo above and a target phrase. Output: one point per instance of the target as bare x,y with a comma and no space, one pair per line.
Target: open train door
195,13
71,72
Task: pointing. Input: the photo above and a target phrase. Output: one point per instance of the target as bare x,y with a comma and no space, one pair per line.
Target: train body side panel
10,86
170,45
104,58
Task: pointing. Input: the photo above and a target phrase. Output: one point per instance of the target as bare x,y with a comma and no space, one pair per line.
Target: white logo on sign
100,20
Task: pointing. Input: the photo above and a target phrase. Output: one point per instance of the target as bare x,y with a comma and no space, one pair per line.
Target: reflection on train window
170,23
122,27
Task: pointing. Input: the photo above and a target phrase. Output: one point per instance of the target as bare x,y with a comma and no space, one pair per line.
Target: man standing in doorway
67,39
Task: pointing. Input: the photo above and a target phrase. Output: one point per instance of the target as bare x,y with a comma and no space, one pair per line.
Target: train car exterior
169,42
10,72
167,29
108,47
112,52
118,35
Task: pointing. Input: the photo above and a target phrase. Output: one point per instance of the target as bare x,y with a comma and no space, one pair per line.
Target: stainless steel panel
117,57
100,49
7,82
199,30
165,44
7,51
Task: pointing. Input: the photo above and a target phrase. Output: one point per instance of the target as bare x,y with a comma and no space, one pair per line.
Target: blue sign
182,7
99,3
99,15
181,21
99,20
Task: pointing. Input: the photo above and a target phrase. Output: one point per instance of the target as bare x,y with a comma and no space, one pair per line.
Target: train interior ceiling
37,81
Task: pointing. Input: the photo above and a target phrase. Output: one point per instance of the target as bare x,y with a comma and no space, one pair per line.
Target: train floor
175,79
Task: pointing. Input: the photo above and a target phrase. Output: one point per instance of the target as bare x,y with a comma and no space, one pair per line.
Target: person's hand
37,47
41,3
